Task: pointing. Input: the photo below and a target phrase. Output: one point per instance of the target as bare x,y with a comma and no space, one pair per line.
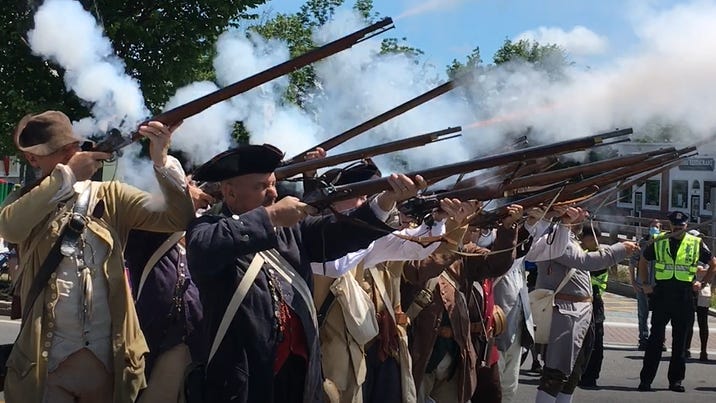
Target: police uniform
270,352
675,262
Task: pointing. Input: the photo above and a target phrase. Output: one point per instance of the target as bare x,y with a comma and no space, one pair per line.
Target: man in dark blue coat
270,352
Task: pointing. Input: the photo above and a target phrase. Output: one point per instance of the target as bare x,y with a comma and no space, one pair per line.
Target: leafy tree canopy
165,44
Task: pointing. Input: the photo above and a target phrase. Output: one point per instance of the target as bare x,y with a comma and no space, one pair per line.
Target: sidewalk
621,326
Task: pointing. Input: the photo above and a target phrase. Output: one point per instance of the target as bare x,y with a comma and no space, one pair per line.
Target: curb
626,290
5,308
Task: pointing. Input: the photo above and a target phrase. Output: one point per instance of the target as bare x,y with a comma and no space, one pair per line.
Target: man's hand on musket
403,189
159,136
318,153
458,210
85,163
315,154
288,211
200,198
572,215
514,214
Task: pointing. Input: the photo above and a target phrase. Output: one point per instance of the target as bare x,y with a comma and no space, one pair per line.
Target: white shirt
387,248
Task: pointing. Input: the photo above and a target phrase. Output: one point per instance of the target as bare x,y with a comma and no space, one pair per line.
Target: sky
592,32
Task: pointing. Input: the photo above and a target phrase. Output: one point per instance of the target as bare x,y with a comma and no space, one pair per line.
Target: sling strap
235,302
158,254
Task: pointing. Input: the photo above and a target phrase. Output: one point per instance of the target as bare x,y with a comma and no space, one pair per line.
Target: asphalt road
620,378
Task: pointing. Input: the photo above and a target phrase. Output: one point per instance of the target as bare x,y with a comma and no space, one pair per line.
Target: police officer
675,255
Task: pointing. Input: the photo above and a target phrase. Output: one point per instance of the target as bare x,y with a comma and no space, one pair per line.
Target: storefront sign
697,164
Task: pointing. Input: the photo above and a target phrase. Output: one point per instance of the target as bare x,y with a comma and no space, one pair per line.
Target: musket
344,192
581,190
384,117
419,206
509,172
287,171
115,140
683,154
516,144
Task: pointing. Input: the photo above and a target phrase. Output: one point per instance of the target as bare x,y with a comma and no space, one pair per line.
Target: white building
686,187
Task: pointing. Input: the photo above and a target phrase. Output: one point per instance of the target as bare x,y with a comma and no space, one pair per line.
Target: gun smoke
666,81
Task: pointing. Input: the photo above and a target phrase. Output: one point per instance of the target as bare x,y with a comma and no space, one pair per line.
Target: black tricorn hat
358,172
242,160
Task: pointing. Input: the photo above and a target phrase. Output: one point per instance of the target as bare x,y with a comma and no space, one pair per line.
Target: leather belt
447,332
572,298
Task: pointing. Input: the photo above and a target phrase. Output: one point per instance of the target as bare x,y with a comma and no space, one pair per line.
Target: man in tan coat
80,340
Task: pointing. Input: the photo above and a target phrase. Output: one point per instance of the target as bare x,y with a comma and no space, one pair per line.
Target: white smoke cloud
206,134
265,114
70,36
579,41
668,79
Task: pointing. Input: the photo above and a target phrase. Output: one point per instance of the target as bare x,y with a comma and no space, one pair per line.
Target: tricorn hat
358,172
242,160
678,218
44,133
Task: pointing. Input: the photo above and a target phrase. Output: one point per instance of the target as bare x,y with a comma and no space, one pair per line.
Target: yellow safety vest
683,268
600,281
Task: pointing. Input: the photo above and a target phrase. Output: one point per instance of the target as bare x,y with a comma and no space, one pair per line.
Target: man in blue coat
270,351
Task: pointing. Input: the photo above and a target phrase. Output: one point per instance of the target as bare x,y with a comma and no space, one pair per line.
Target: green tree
296,29
473,62
165,44
550,58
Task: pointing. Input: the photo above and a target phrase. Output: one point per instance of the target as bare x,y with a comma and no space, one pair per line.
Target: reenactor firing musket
287,171
329,195
115,140
382,118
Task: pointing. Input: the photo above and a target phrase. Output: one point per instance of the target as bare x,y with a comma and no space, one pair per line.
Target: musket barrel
191,108
569,190
373,186
182,112
384,117
289,170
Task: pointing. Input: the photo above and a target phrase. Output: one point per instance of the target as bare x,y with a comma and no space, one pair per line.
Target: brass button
44,354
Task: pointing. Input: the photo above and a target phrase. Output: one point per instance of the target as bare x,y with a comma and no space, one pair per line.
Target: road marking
636,326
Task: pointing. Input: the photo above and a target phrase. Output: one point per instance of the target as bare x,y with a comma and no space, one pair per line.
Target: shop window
652,189
679,194
625,196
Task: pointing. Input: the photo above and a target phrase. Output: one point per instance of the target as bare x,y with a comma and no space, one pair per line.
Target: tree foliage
165,44
296,29
472,63
549,58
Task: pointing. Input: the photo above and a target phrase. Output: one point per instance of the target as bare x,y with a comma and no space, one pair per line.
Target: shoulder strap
327,304
383,292
565,280
158,254
73,228
235,302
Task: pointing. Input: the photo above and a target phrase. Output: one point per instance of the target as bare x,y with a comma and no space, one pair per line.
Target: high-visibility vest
600,281
683,268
